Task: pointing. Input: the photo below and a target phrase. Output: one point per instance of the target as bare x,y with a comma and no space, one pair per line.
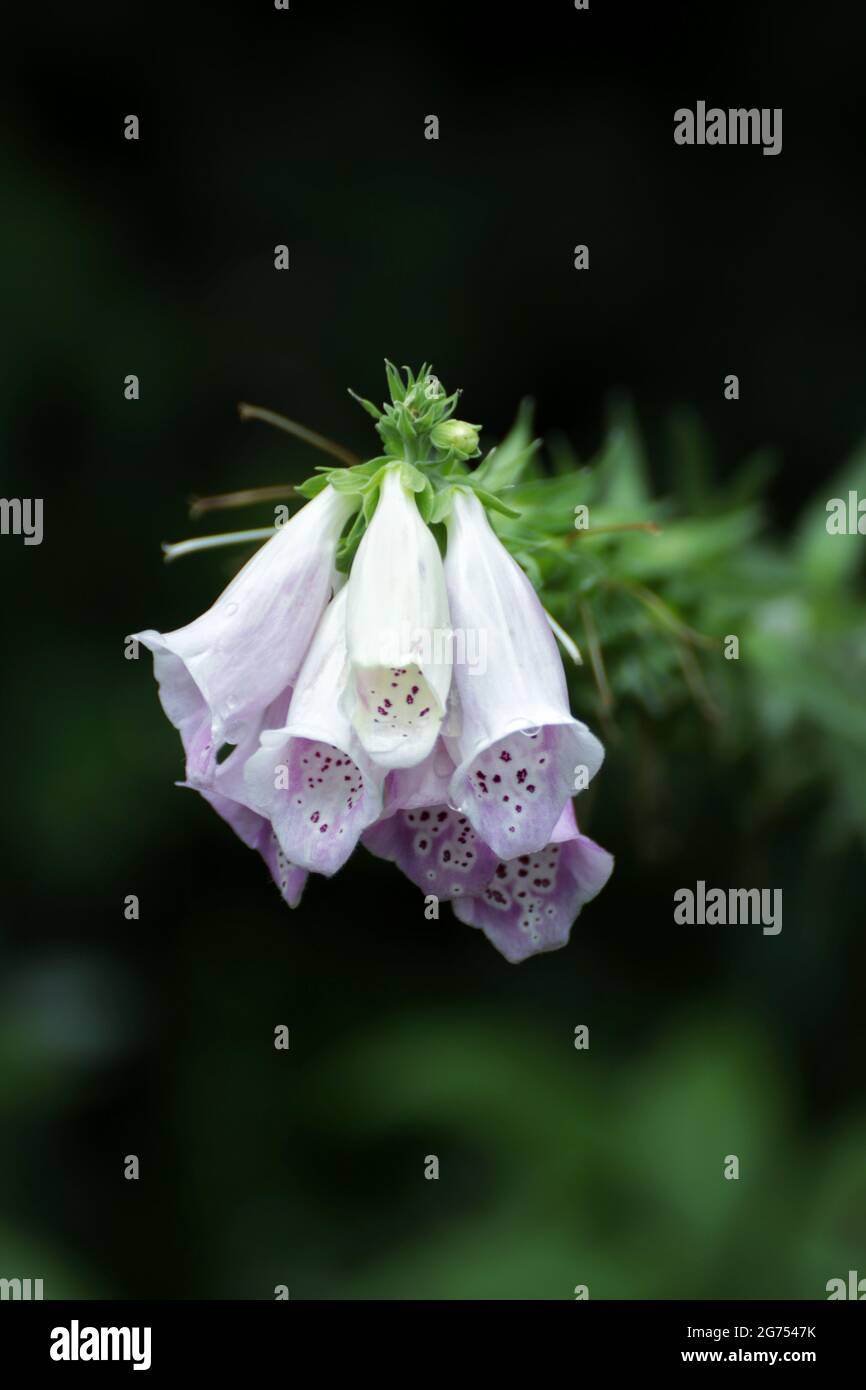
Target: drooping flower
219,673
397,632
434,845
531,902
311,777
518,749
314,715
225,791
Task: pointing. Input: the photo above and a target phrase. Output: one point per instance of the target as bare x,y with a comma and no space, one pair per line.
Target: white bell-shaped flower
397,632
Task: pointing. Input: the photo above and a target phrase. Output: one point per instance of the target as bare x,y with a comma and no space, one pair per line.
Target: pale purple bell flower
310,776
519,752
531,902
224,668
434,845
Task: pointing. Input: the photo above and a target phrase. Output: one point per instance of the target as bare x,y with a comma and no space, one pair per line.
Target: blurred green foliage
651,609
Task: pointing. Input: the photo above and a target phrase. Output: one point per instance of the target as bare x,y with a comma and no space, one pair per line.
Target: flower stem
565,640
662,611
698,687
650,526
318,441
222,501
175,550
596,658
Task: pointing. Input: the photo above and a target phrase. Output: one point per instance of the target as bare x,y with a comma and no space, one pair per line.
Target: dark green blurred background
411,1037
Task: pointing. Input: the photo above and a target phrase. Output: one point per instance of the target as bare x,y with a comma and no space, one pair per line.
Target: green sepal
370,408
426,501
350,542
346,480
412,478
311,487
395,382
441,508
369,503
491,501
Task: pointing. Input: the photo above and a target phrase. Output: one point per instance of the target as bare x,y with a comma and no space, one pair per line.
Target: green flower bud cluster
433,449
416,425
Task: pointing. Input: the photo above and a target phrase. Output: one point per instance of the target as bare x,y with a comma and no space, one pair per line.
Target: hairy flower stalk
351,685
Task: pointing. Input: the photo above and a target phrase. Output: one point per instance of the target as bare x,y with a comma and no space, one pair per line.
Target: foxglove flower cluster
382,671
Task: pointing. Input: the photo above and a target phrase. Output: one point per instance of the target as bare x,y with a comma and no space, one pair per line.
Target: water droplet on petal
230,609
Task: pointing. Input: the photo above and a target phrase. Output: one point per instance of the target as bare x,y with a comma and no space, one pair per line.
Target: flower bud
457,435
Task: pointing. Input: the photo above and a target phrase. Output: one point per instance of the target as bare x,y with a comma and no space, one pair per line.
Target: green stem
223,501
650,526
176,549
596,659
662,611
281,422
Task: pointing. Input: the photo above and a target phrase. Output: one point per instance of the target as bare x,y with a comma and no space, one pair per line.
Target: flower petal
436,848
513,789
224,788
425,784
531,902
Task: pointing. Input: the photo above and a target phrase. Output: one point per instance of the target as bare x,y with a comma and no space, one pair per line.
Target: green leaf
505,464
491,501
691,460
550,502
829,561
622,464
